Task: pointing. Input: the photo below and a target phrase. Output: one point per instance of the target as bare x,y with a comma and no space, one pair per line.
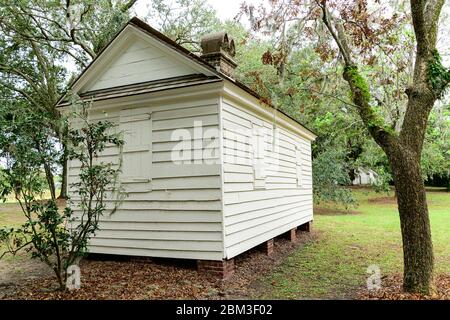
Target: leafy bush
59,237
330,176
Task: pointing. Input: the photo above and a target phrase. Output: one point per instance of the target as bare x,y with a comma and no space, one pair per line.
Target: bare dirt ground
17,270
128,278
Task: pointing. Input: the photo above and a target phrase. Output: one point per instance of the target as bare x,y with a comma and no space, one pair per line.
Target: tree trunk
414,221
63,192
60,277
352,175
50,180
404,148
64,162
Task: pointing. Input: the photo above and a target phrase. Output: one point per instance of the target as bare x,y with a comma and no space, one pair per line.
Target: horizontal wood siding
259,205
140,62
177,212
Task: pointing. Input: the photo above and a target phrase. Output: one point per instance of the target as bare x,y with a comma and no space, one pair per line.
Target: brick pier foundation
292,235
305,227
268,247
221,269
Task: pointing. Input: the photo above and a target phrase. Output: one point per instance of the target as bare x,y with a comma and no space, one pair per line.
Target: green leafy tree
396,50
38,40
404,148
58,237
312,98
330,177
435,161
184,21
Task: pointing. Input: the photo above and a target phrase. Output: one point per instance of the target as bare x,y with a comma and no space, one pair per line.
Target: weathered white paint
140,62
133,57
215,204
202,210
262,201
171,210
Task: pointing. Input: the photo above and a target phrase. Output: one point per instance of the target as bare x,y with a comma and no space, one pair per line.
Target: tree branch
127,6
348,103
338,36
421,93
21,92
14,251
72,34
431,13
359,88
11,70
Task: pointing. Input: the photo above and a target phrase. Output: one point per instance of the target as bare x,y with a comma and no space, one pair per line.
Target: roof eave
141,25
256,100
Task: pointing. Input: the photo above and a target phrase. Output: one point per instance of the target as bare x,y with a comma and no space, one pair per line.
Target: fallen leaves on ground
391,289
131,279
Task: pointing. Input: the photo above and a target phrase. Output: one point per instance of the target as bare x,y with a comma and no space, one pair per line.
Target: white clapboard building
209,170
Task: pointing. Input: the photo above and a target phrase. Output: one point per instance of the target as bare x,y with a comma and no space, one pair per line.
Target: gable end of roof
143,26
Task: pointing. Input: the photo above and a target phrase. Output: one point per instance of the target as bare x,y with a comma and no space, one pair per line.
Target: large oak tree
404,149
38,40
362,34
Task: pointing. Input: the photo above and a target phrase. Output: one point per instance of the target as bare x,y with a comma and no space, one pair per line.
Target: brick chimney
218,50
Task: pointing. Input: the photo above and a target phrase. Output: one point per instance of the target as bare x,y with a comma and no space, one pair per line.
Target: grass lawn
11,216
335,264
